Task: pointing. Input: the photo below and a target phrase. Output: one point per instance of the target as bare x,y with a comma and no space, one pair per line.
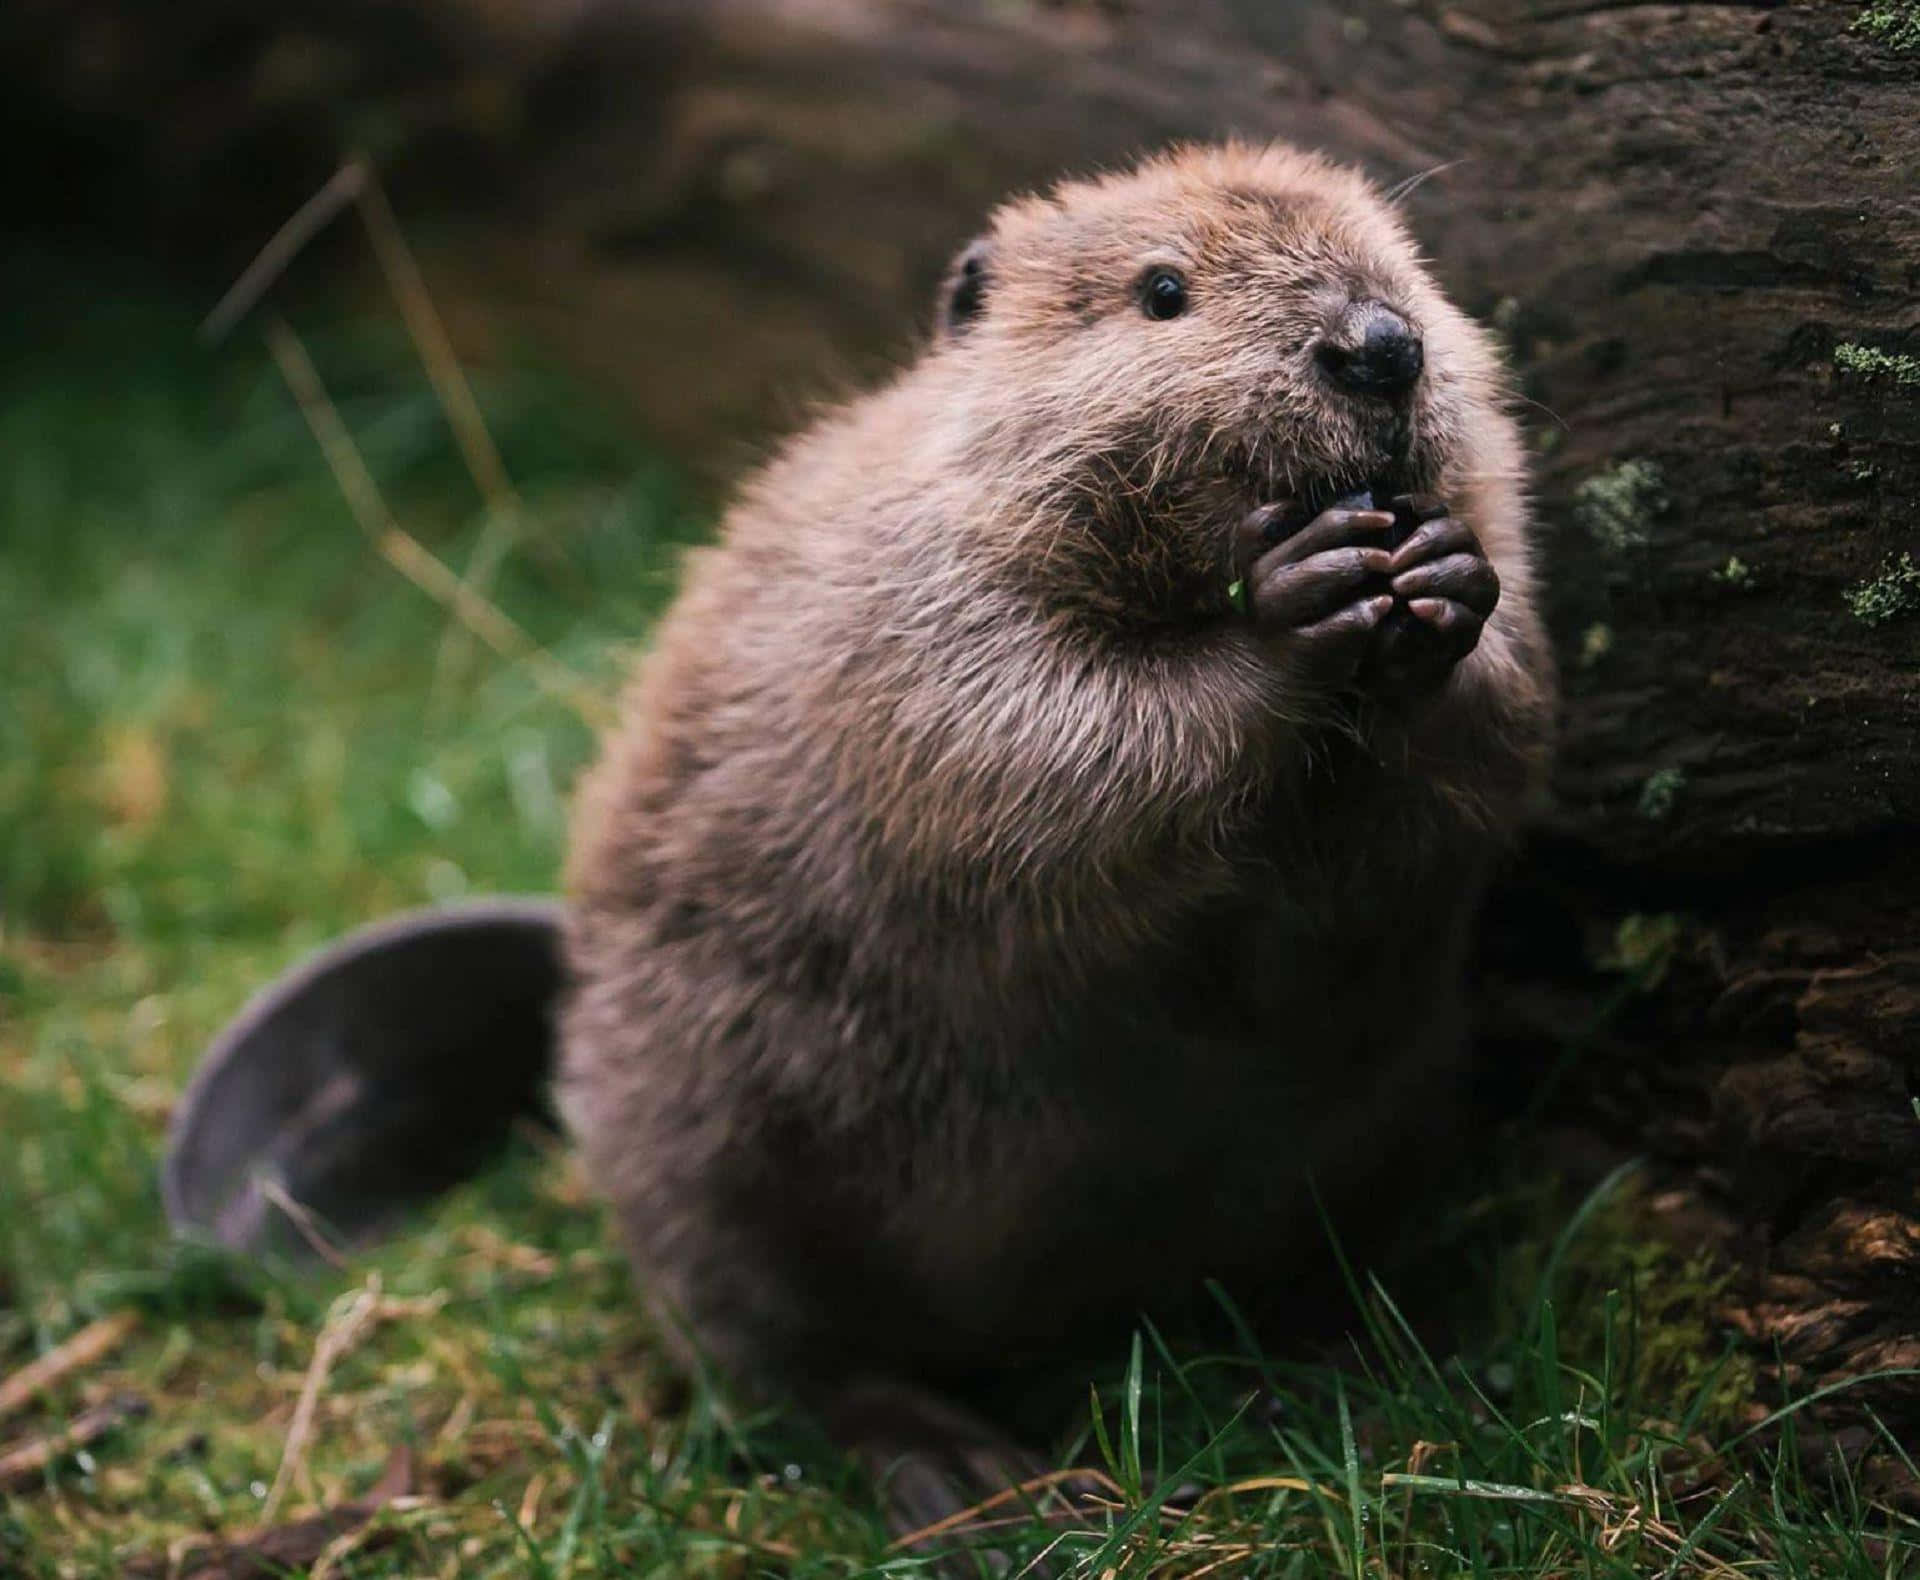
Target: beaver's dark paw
1444,588
1318,593
952,1485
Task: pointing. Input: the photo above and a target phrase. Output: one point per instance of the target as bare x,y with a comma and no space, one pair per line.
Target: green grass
228,731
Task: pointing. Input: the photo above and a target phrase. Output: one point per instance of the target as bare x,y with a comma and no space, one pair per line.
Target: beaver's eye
1163,294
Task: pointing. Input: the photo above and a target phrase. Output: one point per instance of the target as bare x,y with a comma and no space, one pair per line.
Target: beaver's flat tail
368,1079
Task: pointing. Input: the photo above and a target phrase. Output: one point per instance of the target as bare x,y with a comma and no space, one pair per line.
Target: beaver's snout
1372,350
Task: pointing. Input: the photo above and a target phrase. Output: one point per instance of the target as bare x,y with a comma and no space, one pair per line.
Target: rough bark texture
1675,212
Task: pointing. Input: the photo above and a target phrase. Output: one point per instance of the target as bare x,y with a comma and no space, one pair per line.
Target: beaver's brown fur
980,925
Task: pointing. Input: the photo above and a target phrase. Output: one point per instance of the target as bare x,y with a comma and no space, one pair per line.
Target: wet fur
976,928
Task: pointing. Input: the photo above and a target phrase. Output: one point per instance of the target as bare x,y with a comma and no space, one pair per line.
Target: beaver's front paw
1444,588
1320,593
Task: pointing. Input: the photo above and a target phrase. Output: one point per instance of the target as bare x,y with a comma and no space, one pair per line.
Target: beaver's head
1219,324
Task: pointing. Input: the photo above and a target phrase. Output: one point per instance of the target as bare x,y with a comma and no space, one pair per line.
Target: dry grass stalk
530,1503
352,1317
970,1517
314,1546
463,596
506,515
306,1223
306,222
459,1418
23,1466
430,338
1266,1484
339,1334
376,1525
496,1252
405,552
92,1343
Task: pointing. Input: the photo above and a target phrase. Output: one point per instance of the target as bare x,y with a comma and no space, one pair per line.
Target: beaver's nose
1372,351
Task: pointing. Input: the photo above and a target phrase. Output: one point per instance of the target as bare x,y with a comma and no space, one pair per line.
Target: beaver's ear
963,293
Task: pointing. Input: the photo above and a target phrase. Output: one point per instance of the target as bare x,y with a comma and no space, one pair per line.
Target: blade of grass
1786,1413
1350,1462
1130,1422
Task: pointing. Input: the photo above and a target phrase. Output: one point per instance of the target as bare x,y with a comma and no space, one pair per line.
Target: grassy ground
229,731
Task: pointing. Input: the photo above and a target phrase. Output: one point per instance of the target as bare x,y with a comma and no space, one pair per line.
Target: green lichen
1735,573
1617,506
1893,593
1870,364
1895,23
1595,643
1661,790
1643,946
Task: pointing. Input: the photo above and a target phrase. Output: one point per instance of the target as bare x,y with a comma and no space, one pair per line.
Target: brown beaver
1048,825
980,922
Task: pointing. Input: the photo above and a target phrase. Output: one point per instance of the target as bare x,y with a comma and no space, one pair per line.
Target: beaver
1048,824
1039,824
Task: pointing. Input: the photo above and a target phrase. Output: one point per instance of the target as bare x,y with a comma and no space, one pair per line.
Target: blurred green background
229,729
